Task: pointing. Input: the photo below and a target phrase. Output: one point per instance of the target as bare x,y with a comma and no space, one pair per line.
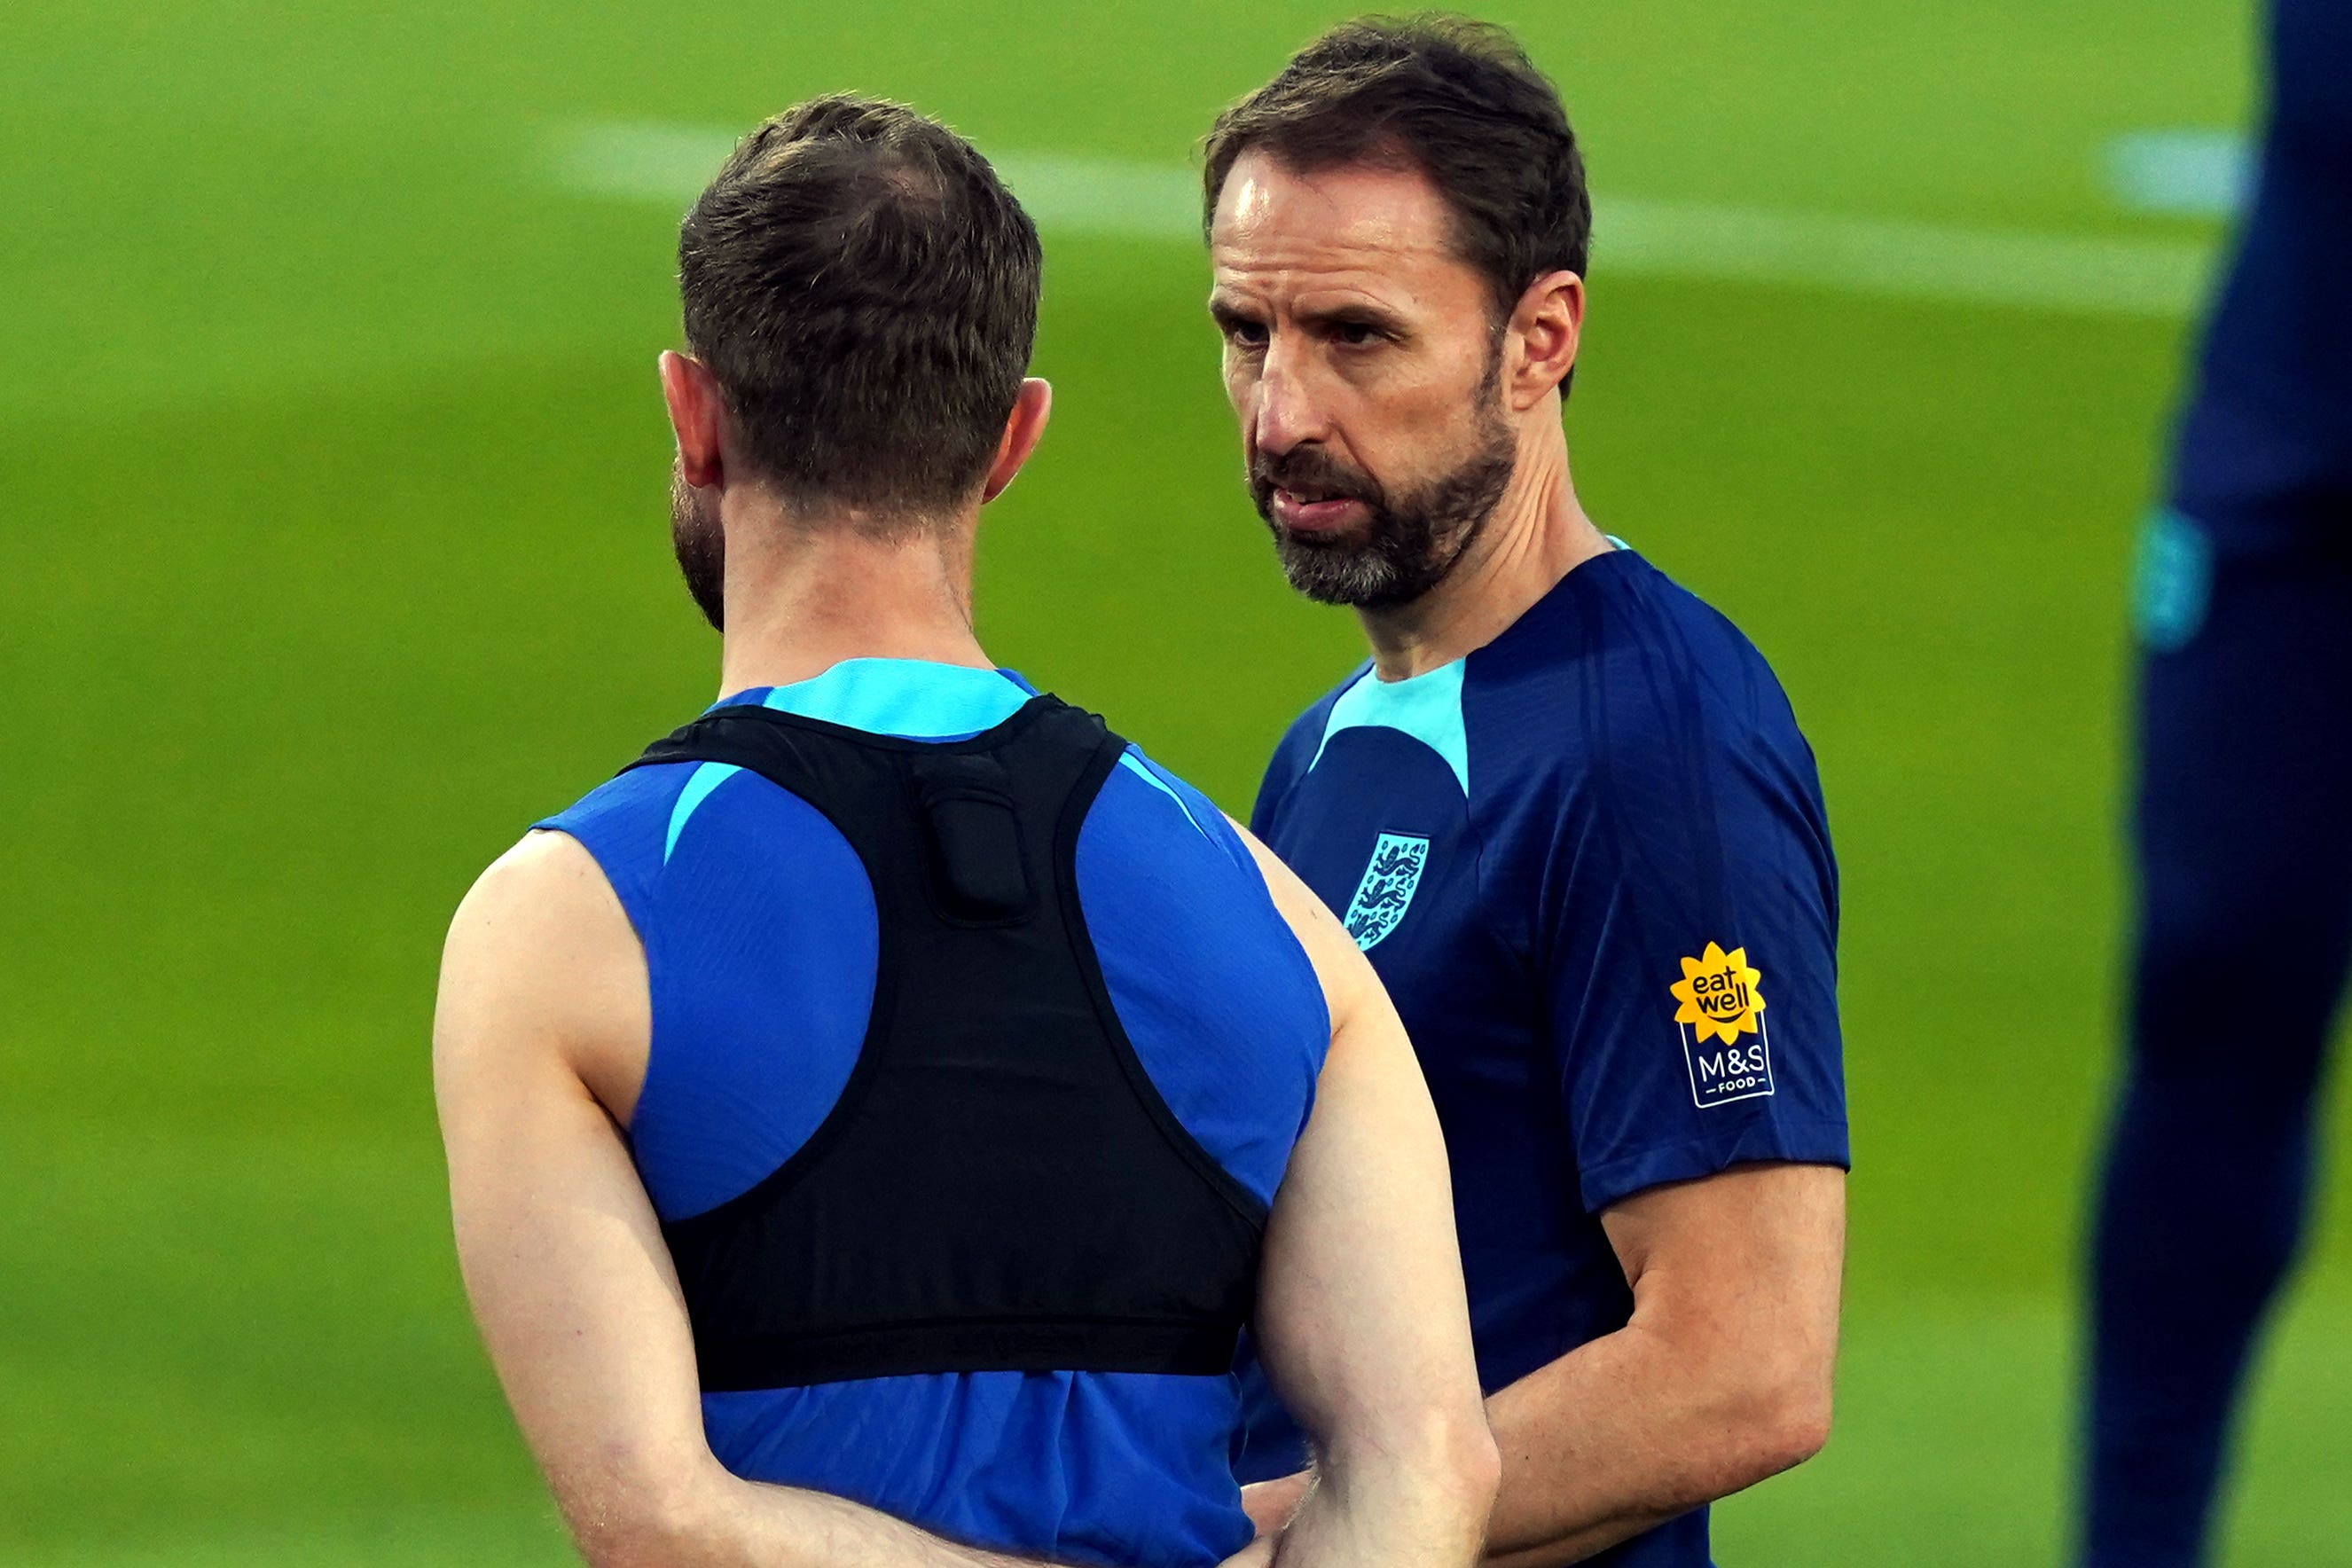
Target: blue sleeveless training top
759,928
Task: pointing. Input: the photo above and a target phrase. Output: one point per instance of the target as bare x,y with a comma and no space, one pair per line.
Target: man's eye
1246,334
1356,335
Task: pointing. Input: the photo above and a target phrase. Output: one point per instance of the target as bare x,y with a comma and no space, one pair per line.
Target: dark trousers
2243,838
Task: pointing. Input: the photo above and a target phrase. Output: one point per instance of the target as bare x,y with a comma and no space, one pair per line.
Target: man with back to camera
1565,808
2245,898
872,1116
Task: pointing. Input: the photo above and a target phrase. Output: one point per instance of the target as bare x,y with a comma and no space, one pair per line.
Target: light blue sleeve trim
2173,580
1428,706
705,777
1133,762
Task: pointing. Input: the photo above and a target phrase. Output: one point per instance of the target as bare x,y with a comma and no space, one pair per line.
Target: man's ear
1022,428
697,412
1547,325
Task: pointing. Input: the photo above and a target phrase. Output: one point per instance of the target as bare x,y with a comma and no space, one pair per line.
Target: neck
804,593
1537,534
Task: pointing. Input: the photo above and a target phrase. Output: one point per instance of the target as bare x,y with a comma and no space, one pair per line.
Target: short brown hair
865,290
1456,98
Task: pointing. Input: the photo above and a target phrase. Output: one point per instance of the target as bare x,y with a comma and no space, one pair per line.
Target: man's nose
1288,413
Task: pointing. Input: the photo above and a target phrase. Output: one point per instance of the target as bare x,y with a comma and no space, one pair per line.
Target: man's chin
1330,573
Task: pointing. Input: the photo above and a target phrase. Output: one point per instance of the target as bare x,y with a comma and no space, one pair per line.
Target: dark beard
1408,544
701,545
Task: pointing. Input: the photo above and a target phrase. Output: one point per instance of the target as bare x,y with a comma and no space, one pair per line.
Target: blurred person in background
2244,917
873,1116
1565,807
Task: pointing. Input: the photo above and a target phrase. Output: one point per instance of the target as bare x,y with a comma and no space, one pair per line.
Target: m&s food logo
1722,1001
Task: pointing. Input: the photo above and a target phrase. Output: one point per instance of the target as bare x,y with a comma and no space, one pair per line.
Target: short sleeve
1689,941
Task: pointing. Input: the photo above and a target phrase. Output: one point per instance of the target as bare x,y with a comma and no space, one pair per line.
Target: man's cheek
1241,386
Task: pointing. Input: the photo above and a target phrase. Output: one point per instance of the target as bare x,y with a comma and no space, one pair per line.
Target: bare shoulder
1345,975
541,958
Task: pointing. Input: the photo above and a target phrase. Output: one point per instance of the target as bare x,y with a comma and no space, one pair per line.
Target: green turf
334,471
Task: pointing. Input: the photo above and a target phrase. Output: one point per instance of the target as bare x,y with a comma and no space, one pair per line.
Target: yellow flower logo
1718,995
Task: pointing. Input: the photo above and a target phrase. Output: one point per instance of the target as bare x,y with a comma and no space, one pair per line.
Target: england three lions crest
1387,889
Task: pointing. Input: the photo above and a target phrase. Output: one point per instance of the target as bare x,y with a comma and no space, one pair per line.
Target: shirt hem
1808,1142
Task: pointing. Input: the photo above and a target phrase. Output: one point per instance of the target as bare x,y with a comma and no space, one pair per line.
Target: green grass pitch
333,467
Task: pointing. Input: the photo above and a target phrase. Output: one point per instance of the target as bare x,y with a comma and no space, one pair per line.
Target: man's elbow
1475,1461
1460,1462
625,1543
636,1519
1775,1423
1451,1452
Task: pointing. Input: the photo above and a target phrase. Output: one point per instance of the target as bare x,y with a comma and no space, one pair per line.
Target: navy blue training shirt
1591,865
760,932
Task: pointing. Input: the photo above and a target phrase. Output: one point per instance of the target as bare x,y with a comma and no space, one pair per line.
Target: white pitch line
643,161
1632,236
1900,259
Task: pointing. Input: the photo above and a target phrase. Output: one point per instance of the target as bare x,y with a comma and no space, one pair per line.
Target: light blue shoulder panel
1428,706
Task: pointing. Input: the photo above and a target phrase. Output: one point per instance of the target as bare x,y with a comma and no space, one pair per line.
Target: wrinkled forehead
1372,228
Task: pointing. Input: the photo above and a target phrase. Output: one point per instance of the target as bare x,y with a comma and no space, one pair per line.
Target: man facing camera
1565,807
873,1117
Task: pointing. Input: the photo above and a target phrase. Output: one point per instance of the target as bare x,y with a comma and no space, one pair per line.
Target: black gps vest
1000,1187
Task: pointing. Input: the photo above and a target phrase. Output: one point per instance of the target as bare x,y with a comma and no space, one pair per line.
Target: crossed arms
1721,1378
540,1045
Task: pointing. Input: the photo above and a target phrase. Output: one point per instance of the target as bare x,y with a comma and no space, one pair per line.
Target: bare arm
1721,1378
1362,1318
543,1011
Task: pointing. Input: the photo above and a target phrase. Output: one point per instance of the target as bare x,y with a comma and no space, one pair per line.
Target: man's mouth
1310,510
